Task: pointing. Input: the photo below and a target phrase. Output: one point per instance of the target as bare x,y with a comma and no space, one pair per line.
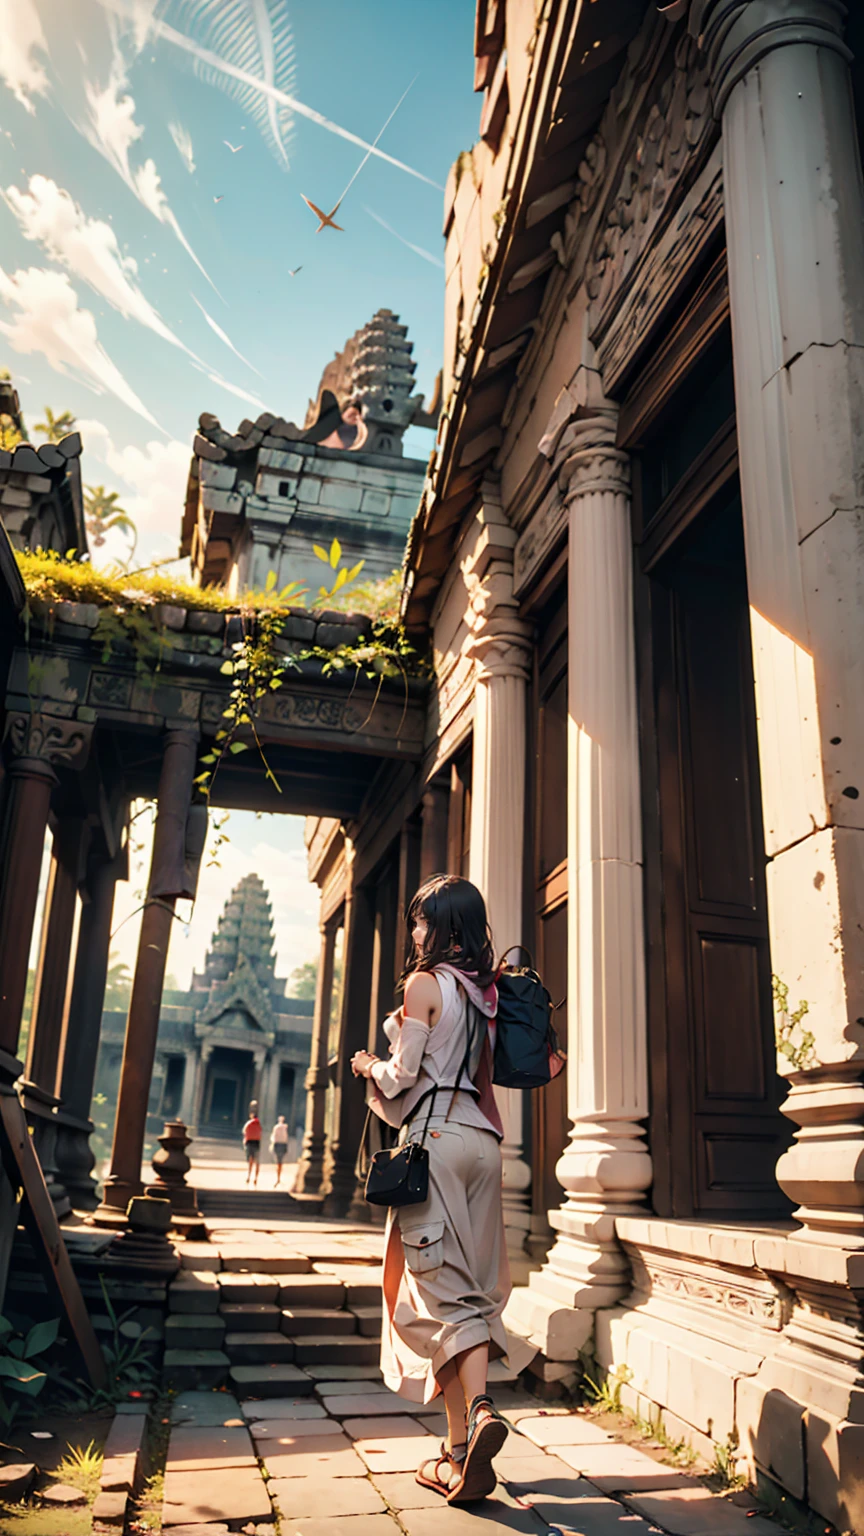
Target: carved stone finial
51,739
735,37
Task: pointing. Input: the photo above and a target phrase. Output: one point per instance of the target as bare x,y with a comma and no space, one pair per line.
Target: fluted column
310,1165
501,646
605,1169
349,1102
169,879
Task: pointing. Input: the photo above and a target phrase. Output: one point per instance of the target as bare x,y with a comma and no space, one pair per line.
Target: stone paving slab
232,1493
568,1429
195,1447
254,1259
394,1453
204,1408
342,1525
696,1512
588,1517
315,1498
490,1518
616,1468
364,1385
292,1429
283,1408
369,1372
402,1491
271,1380
381,1428
320,1458
540,1471
378,1403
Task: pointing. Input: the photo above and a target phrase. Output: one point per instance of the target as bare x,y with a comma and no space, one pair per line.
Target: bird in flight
234,148
219,198
292,271
326,218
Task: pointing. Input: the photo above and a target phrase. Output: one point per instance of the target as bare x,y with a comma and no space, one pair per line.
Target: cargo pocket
423,1243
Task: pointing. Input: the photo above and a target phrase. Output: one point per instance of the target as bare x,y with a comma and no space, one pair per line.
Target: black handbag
400,1175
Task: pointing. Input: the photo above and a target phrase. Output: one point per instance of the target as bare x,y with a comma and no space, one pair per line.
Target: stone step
362,1282
271,1381
258,1348
250,1317
194,1330
246,1259
195,1369
368,1321
238,1287
311,1291
309,1320
194,1291
335,1349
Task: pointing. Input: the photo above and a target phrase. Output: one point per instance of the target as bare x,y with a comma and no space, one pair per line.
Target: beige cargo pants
457,1278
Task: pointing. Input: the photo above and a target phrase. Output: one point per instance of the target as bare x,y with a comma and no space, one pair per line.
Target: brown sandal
487,1432
433,1479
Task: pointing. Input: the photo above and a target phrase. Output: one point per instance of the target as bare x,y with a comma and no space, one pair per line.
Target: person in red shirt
252,1143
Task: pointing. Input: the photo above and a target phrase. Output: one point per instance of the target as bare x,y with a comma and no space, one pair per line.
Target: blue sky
97,287
96,99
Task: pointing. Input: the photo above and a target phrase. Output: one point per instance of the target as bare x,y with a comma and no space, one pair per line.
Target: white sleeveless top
421,1057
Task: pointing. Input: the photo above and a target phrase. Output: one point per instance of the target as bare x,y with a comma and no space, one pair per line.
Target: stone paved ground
336,1455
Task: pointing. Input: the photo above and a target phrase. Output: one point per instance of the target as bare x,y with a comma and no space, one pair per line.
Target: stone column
36,744
187,1098
605,1169
200,1085
168,880
501,647
433,839
82,1028
39,1085
349,1105
310,1165
795,230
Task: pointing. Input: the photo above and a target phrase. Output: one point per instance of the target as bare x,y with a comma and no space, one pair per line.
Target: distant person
279,1145
252,1143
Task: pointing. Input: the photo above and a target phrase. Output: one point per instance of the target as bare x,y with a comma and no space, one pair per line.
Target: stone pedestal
39,1108
310,1167
171,1165
168,880
144,1244
605,1169
500,645
83,1023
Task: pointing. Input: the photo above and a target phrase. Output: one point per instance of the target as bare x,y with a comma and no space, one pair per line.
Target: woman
252,1143
446,1275
279,1145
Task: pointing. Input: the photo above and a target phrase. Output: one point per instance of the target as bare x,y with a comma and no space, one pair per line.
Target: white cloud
183,141
87,247
47,319
224,337
22,40
153,483
113,131
234,389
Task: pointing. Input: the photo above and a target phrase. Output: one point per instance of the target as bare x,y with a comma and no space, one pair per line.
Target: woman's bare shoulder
423,997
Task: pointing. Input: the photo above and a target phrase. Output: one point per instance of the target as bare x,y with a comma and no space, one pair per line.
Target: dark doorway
227,1091
172,1093
716,1130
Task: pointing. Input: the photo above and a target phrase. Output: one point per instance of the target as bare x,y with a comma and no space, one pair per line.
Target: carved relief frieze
742,1296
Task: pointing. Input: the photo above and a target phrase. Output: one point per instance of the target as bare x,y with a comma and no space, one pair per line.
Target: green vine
796,1044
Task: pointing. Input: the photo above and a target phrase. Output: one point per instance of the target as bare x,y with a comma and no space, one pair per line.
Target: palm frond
253,35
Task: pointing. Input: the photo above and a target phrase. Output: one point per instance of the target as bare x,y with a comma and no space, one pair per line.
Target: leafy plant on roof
10,435
54,428
344,574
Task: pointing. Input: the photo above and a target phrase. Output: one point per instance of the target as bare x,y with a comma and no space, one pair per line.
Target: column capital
47,740
589,461
736,34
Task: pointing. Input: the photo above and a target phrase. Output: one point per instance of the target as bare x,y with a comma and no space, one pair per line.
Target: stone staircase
270,1333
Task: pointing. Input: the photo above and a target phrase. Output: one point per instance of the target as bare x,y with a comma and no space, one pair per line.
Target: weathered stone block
51,456
84,614
221,501
168,616
203,622
375,503
309,490
26,461
194,1291
220,476
70,446
278,459
340,498
110,1507
207,450
195,1368
12,498
771,1431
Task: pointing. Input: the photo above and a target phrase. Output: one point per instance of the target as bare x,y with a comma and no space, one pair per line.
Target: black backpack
527,1054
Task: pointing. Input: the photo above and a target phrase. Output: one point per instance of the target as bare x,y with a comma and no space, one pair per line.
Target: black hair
458,929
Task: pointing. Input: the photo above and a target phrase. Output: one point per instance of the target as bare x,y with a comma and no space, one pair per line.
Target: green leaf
16,1348
271,581
209,758
321,553
238,746
5,1326
335,553
18,1370
227,669
32,1385
41,1337
355,570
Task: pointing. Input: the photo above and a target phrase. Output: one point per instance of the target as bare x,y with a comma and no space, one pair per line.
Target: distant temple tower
233,1037
258,499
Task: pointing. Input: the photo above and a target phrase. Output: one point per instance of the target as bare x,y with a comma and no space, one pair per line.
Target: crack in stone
826,346
857,507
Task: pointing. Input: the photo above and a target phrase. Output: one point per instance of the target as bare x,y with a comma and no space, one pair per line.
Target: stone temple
258,499
234,1036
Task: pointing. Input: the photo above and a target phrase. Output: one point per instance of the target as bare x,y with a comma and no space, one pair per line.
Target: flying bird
326,218
219,198
234,148
292,271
